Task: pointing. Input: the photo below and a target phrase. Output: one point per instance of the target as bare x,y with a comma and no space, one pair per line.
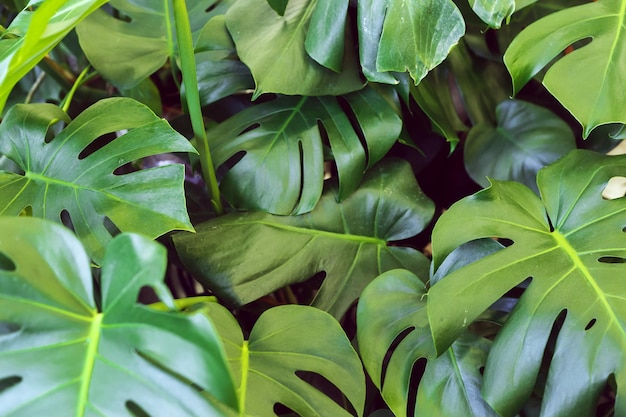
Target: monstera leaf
32,34
299,53
527,138
127,51
493,12
348,241
572,246
282,143
394,334
62,176
588,81
286,346
61,355
428,30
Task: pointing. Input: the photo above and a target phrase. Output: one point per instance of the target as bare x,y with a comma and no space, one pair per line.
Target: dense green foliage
312,207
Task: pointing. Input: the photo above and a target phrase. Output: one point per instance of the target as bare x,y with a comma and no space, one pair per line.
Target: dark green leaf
244,256
527,138
67,358
285,340
59,178
282,169
325,39
572,244
278,5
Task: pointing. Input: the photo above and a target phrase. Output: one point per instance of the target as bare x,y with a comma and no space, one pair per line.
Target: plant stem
68,98
188,66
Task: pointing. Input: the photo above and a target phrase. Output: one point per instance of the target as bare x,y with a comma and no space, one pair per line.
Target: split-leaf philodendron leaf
286,342
282,170
61,355
126,52
348,241
58,177
572,246
589,81
32,34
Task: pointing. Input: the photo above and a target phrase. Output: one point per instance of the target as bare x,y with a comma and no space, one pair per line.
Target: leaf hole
354,122
135,409
232,161
615,188
212,7
8,382
416,375
53,130
548,351
392,348
301,153
6,264
328,388
96,145
505,242
281,409
66,219
110,226
611,260
250,128
306,291
147,295
577,45
481,370
605,405
590,324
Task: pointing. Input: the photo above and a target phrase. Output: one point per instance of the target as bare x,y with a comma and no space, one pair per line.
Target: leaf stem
188,66
68,98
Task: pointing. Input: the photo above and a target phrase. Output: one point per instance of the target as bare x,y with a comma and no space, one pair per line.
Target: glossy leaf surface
588,81
59,176
284,342
493,12
127,51
527,138
283,140
33,34
392,323
259,253
572,244
273,47
61,355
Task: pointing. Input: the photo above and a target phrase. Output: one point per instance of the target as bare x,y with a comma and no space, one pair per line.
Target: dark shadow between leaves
392,348
6,264
147,295
419,367
354,122
548,353
329,389
8,382
135,409
283,411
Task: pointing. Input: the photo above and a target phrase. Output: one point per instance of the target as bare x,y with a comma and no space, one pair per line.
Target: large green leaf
244,256
400,36
588,81
126,51
527,138
282,51
286,340
572,244
282,168
61,355
33,34
59,177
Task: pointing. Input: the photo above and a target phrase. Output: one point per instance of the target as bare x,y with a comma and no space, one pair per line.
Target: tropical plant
312,207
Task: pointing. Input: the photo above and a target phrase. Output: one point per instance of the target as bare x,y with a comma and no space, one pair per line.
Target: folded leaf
588,81
286,340
493,12
572,244
282,168
58,177
60,355
235,255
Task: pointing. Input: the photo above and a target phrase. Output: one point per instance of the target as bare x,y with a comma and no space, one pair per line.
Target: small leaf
587,80
67,358
527,138
282,168
285,340
57,178
348,241
566,243
273,47
493,12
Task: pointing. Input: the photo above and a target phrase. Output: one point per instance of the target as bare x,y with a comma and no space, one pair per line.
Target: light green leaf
34,33
392,325
59,177
127,52
60,355
572,244
493,12
527,138
286,340
235,255
273,47
588,81
282,142
416,35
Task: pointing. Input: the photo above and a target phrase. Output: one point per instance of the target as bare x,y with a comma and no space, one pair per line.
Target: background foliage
312,207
